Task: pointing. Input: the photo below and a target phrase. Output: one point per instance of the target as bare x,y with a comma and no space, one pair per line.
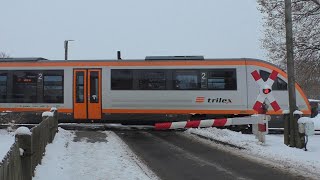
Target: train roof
148,58
196,60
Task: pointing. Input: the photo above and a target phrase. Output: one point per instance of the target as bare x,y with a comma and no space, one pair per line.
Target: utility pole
295,140
66,49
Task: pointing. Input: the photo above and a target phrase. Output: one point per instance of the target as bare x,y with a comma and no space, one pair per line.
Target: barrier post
262,128
255,130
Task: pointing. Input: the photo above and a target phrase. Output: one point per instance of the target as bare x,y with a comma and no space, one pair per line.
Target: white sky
215,29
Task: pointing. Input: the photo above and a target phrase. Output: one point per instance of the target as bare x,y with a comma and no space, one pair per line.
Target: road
172,155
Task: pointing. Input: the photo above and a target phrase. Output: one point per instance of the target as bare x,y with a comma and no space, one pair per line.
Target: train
157,88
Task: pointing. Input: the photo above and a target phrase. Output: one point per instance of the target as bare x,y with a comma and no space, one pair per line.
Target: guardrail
29,148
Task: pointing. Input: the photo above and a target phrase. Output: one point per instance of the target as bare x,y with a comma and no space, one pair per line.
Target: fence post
55,117
53,124
23,137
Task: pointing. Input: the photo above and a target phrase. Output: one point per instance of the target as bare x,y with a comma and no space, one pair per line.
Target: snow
314,100
47,113
66,159
21,151
6,141
285,112
316,121
23,131
53,109
297,112
304,120
273,152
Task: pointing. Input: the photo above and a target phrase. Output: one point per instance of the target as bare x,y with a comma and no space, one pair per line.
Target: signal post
292,136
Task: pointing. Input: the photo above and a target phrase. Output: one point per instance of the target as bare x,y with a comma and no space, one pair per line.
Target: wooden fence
27,151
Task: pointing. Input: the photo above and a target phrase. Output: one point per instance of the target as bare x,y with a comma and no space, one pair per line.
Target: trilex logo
219,100
213,100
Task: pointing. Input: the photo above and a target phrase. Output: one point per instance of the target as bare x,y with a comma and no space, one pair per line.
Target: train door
87,94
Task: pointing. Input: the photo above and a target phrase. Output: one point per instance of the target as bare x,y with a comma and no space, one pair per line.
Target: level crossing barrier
259,124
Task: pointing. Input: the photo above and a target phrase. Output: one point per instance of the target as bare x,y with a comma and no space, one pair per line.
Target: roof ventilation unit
23,59
181,58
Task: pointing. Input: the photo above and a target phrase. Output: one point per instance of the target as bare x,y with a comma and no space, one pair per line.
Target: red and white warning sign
265,91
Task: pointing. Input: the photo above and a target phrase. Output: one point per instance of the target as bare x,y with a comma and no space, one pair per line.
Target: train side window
94,87
278,84
80,87
186,80
3,87
152,80
24,87
121,79
53,88
222,79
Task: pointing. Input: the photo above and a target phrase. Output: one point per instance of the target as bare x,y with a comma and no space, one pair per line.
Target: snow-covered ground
274,151
66,160
6,140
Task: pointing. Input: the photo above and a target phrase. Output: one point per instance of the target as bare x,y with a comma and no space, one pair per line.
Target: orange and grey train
158,88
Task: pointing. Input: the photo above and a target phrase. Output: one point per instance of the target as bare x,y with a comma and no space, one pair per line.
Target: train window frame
220,76
188,72
35,94
5,92
151,79
94,86
78,87
278,84
120,84
29,84
170,77
56,73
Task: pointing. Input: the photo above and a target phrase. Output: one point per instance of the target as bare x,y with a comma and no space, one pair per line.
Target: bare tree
3,55
306,42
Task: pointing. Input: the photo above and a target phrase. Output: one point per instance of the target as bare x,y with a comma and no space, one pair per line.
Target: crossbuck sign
265,91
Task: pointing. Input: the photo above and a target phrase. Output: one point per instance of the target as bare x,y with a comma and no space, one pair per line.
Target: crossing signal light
266,91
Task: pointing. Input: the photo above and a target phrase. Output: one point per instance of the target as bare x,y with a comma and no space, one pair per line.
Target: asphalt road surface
174,156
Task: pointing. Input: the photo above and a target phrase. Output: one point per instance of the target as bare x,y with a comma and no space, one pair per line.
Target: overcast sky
139,28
